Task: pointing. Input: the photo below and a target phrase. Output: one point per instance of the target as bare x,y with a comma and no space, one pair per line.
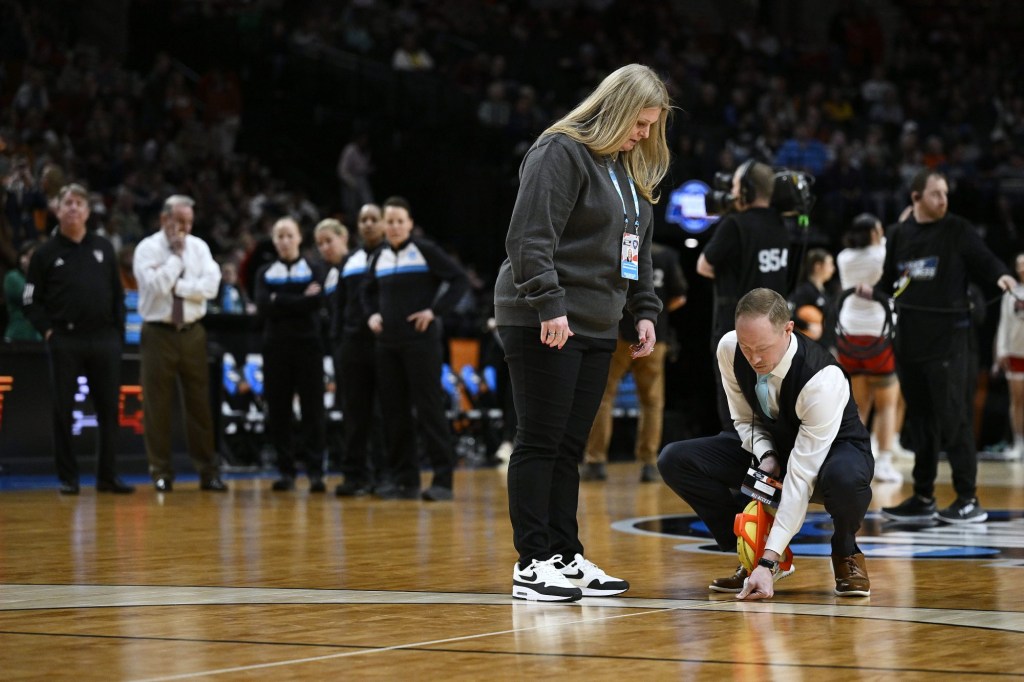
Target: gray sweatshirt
564,244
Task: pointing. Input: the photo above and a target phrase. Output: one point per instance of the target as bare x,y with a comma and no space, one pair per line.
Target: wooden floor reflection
261,585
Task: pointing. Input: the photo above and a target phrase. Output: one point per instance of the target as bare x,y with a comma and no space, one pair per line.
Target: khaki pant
167,359
649,373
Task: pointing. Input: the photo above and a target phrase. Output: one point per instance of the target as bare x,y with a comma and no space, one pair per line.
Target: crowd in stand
863,108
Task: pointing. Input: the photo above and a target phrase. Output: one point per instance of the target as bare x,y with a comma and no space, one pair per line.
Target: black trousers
706,471
295,368
363,458
96,356
410,376
556,395
939,420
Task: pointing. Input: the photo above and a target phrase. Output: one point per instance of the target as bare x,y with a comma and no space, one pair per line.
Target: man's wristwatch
772,566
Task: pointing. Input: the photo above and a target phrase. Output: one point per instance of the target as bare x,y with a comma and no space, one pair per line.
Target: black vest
810,358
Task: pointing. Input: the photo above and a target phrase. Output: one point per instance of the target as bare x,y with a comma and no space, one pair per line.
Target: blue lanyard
618,190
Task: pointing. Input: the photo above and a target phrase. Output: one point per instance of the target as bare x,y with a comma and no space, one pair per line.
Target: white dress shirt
819,407
194,276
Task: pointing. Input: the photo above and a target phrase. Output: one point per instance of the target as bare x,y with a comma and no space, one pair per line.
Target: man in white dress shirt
176,275
791,404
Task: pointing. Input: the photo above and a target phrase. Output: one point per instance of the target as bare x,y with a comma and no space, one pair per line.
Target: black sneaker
963,510
649,474
397,492
352,489
914,508
593,471
316,485
283,484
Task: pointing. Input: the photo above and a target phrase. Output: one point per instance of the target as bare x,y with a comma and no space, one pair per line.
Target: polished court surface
260,585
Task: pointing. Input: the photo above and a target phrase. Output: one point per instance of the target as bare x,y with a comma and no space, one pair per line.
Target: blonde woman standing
579,249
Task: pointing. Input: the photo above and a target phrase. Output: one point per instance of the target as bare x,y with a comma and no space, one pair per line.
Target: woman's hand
645,346
555,332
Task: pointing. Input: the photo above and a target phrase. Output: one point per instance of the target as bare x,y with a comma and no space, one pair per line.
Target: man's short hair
176,200
764,302
73,188
920,179
761,177
397,202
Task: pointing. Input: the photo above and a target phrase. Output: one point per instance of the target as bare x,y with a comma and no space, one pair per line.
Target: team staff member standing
403,298
929,260
289,296
176,274
793,411
750,249
74,298
357,365
579,251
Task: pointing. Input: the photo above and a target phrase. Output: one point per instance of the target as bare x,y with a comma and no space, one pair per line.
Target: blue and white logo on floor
1001,537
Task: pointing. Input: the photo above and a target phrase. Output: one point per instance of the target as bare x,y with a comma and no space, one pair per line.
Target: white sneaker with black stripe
542,581
592,580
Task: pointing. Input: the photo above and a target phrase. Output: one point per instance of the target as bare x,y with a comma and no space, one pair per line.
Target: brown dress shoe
851,576
733,584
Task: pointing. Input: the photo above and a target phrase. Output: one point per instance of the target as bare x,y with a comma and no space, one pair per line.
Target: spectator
18,326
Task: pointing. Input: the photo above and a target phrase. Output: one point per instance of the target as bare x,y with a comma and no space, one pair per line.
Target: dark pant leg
357,378
543,464
563,504
704,472
308,369
194,373
65,367
922,421
844,487
958,425
103,372
159,357
422,362
278,389
396,406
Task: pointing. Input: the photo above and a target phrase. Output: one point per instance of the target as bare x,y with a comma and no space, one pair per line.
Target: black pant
290,368
363,456
556,395
96,356
939,420
410,376
706,471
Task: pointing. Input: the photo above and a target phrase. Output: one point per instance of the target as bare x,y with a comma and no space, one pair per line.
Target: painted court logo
1000,539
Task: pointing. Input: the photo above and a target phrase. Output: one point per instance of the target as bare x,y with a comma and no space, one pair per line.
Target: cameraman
749,250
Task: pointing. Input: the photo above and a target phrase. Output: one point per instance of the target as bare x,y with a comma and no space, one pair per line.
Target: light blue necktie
761,389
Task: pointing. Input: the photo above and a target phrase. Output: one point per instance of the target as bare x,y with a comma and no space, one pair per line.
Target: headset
747,190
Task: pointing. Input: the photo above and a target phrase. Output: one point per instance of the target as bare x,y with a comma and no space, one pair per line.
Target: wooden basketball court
260,585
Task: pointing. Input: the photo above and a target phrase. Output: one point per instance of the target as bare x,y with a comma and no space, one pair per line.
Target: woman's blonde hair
605,119
331,225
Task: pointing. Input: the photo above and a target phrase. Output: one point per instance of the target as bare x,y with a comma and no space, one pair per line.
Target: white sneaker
542,581
592,580
885,470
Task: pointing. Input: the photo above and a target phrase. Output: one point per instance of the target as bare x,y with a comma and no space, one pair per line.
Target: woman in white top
1010,356
864,351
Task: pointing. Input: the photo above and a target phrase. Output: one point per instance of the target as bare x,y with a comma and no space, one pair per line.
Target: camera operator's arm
704,268
720,248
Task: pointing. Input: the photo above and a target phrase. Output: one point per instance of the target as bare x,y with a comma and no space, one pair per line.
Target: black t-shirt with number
748,250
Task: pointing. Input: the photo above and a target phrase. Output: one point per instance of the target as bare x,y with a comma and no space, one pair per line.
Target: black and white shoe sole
551,594
609,590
